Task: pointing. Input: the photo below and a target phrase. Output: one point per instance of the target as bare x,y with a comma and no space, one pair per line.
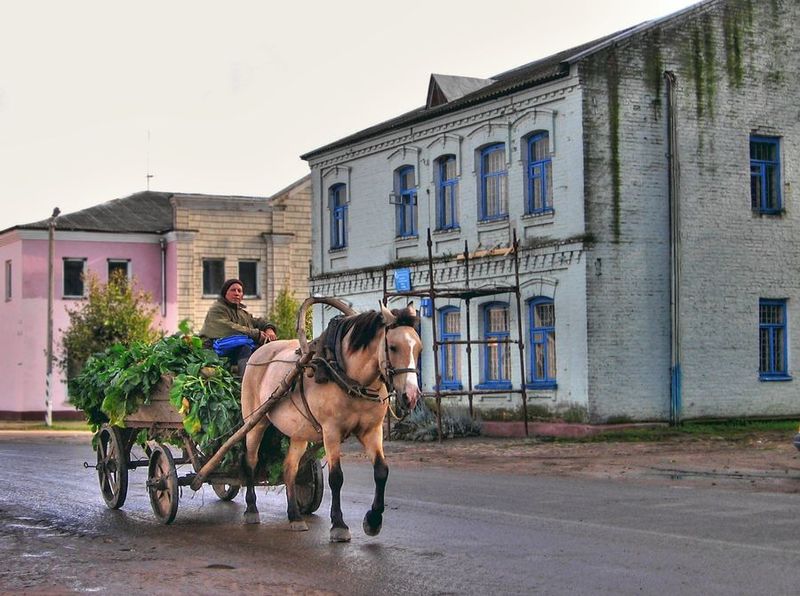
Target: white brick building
648,176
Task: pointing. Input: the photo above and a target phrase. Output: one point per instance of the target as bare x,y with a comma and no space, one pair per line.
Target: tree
284,315
111,313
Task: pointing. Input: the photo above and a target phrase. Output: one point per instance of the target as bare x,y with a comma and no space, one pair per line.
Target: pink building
170,243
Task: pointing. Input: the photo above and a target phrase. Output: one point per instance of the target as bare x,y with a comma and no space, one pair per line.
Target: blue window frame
337,203
494,175
406,202
772,342
496,355
765,175
540,180
542,317
450,354
446,193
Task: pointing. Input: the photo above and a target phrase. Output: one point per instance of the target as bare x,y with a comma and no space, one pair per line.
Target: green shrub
112,313
284,315
421,424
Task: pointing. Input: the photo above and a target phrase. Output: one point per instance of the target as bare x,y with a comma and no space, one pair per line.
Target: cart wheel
309,486
112,467
226,492
162,484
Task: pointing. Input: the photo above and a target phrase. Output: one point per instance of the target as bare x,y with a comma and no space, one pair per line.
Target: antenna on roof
148,174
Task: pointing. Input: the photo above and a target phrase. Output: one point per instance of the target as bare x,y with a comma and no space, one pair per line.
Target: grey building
648,176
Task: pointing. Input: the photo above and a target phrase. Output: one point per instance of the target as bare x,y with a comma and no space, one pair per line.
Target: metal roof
528,75
148,212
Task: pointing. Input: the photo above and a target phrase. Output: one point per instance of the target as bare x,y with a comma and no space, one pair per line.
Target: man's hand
267,336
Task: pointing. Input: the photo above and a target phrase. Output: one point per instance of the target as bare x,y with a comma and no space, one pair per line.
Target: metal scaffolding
467,294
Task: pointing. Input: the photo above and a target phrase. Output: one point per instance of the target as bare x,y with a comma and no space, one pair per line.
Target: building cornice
505,112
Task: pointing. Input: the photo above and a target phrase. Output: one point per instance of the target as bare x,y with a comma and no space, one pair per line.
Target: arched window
539,187
446,193
496,355
542,317
337,203
405,191
493,190
450,354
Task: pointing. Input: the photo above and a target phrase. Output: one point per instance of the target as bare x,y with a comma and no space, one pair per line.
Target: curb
564,430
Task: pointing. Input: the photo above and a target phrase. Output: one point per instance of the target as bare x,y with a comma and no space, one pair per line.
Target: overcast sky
216,97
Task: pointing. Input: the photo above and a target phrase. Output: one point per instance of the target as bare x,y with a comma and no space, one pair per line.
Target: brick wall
274,232
735,75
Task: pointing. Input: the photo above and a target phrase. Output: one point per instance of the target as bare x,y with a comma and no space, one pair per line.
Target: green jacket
224,319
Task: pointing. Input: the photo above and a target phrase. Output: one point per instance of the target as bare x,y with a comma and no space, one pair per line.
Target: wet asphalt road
446,531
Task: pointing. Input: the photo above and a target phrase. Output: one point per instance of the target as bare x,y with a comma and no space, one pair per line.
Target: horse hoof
298,526
252,518
370,529
340,535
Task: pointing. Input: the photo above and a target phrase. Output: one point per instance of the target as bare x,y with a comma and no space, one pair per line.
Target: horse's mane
406,317
363,327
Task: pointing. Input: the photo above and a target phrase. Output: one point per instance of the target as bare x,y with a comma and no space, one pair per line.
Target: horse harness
328,364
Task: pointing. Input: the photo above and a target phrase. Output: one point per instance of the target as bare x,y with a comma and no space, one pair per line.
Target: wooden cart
162,422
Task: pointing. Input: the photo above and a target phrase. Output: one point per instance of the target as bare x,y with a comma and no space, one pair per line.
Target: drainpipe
163,243
673,191
267,238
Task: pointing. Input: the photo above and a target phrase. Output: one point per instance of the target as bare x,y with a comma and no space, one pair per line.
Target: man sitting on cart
232,331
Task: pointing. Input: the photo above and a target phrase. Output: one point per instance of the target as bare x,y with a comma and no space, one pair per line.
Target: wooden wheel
226,492
162,484
309,486
112,466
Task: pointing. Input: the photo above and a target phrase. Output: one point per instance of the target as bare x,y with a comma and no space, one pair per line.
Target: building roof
148,212
528,75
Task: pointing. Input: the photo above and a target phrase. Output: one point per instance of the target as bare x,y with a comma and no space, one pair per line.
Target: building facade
648,177
178,248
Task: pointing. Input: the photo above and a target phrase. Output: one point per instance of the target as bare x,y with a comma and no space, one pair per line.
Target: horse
376,352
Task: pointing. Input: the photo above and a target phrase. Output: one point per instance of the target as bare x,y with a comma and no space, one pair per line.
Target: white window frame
126,262
8,291
82,261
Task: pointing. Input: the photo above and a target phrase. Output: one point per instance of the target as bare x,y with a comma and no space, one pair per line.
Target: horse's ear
411,310
388,317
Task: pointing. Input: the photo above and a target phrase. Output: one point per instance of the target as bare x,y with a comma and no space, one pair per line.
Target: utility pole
51,239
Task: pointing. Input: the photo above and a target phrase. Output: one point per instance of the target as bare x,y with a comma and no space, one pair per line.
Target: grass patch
64,425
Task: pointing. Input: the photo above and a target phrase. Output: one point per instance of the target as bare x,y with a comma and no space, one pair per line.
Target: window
494,202
540,180
450,354
765,175
406,202
446,193
496,356
772,339
119,267
8,281
73,278
542,315
248,275
213,276
337,203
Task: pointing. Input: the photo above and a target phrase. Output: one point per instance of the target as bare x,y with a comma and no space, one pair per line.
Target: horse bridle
388,372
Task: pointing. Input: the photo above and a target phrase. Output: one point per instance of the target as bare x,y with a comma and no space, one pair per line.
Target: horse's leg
339,530
373,445
296,450
253,441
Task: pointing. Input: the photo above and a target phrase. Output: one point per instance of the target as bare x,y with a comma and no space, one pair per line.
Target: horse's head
403,347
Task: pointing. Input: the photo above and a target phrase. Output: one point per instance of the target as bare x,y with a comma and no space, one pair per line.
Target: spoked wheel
309,485
112,466
226,492
162,484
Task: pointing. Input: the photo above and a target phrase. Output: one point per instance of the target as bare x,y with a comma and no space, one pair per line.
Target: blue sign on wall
402,280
